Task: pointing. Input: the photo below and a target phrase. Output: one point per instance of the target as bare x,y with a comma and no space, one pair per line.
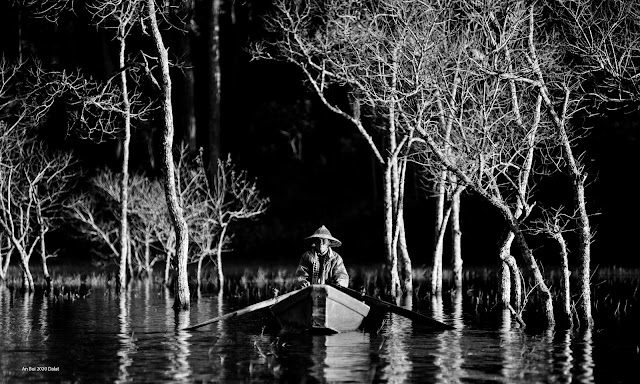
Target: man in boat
321,264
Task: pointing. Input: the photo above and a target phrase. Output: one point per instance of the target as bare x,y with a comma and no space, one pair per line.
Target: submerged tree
602,39
34,177
519,68
234,197
481,97
97,211
182,297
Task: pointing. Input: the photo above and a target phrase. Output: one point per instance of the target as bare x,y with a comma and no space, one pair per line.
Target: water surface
137,337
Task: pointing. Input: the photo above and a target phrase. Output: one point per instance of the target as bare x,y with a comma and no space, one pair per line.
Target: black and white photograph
319,191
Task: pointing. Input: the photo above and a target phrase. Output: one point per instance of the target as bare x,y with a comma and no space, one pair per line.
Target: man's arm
340,275
302,272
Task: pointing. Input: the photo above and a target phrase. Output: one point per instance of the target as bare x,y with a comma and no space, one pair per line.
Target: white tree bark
578,179
182,296
456,240
124,186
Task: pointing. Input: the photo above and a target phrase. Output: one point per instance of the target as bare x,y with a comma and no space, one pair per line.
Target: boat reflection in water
342,357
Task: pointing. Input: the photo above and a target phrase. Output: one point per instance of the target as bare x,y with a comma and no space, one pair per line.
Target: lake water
137,337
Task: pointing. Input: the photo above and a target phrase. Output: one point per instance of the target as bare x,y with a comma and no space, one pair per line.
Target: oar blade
415,316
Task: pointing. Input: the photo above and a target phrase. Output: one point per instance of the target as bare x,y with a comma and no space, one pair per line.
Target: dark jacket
334,270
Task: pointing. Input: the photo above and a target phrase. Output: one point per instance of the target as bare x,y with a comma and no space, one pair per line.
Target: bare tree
32,180
182,298
535,63
554,223
207,212
604,38
55,175
16,203
98,212
574,167
148,213
84,209
517,72
234,197
121,16
34,177
372,51
456,233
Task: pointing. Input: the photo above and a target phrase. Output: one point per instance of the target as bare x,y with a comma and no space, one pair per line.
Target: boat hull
320,308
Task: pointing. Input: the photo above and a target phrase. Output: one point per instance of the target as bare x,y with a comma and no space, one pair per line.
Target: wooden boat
329,309
320,308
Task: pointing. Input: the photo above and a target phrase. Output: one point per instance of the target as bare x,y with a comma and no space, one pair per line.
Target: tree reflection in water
449,354
178,350
395,365
137,337
584,346
125,336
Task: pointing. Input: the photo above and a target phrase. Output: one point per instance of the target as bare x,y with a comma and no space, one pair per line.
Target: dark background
335,180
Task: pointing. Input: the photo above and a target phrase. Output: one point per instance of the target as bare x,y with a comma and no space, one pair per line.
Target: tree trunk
393,180
436,273
43,255
219,256
392,256
199,273
584,249
42,228
27,282
182,297
147,256
545,294
505,285
404,261
565,294
456,243
124,181
130,262
578,178
167,268
4,265
406,269
446,117
514,272
215,77
439,226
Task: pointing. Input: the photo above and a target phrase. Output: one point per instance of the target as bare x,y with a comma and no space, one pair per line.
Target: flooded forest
164,165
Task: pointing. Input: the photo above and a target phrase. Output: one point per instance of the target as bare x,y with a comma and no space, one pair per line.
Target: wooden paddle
415,316
251,308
